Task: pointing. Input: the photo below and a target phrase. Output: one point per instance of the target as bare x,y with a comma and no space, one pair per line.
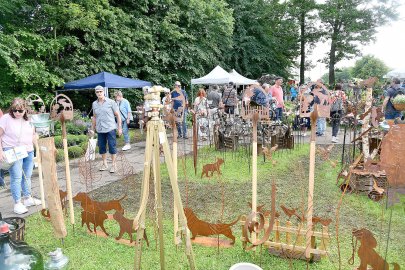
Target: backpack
337,105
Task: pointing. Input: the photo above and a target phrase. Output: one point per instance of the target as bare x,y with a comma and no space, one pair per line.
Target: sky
388,47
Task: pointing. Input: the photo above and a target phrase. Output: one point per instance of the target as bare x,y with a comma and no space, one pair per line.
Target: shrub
75,151
58,141
59,155
83,145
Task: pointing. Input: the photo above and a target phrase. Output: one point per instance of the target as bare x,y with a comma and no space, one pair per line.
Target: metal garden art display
366,174
62,110
156,136
42,125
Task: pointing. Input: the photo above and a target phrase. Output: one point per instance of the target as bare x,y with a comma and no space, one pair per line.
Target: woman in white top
16,131
201,109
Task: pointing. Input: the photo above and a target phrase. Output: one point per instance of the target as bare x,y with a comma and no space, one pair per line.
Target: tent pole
106,92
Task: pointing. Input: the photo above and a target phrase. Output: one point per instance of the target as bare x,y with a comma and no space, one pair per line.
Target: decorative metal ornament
318,96
212,167
203,228
61,108
90,205
126,227
367,253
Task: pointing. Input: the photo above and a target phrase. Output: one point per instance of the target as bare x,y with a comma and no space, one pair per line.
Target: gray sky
389,47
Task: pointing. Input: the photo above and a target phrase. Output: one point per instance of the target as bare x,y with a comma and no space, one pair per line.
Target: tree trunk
332,60
302,41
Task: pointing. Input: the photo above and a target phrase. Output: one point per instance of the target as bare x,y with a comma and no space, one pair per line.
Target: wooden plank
288,234
47,151
292,247
294,230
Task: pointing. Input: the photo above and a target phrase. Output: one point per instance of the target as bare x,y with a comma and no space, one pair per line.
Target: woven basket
399,106
19,223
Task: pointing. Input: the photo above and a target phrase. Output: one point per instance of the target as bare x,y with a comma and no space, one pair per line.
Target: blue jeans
19,180
2,184
279,113
125,131
321,125
103,139
182,126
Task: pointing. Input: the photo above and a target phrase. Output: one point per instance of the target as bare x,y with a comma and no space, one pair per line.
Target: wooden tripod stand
156,136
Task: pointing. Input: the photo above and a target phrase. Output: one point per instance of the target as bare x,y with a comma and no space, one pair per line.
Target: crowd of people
113,117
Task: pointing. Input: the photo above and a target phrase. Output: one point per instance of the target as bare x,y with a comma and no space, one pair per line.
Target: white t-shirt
17,132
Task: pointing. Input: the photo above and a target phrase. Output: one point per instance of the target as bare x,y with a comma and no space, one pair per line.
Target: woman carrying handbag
17,132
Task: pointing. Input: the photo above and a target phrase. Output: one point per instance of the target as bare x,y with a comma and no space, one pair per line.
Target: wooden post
366,120
41,179
175,210
277,232
47,149
324,238
67,169
288,234
255,119
314,116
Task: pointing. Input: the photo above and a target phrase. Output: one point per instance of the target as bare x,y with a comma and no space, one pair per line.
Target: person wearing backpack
338,97
390,113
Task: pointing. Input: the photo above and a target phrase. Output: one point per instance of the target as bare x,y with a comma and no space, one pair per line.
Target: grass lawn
208,197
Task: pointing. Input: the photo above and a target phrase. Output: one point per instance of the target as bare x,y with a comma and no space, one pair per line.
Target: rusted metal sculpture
203,228
268,153
91,205
367,253
35,104
96,217
392,152
319,96
126,227
212,167
252,227
62,110
63,199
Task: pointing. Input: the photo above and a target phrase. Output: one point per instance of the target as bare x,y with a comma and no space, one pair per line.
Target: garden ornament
92,206
252,227
62,109
212,167
126,227
320,97
367,253
97,218
392,152
63,199
156,136
203,228
269,152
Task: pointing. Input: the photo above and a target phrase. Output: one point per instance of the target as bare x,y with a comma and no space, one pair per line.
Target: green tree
351,23
341,75
369,66
264,39
305,14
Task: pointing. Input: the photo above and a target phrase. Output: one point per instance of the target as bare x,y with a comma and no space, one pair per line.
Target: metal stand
156,136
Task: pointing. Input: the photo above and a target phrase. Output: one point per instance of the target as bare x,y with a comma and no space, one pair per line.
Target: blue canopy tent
107,80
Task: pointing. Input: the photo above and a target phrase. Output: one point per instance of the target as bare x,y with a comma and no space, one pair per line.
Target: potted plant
399,102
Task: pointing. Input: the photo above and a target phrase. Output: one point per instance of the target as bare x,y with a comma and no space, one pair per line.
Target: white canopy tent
238,79
219,76
396,73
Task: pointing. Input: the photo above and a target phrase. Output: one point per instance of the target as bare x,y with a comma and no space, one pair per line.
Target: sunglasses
97,92
20,111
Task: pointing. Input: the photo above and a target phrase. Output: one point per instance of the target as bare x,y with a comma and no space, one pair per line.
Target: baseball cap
98,88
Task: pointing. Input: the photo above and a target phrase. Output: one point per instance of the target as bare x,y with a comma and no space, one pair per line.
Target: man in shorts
105,111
